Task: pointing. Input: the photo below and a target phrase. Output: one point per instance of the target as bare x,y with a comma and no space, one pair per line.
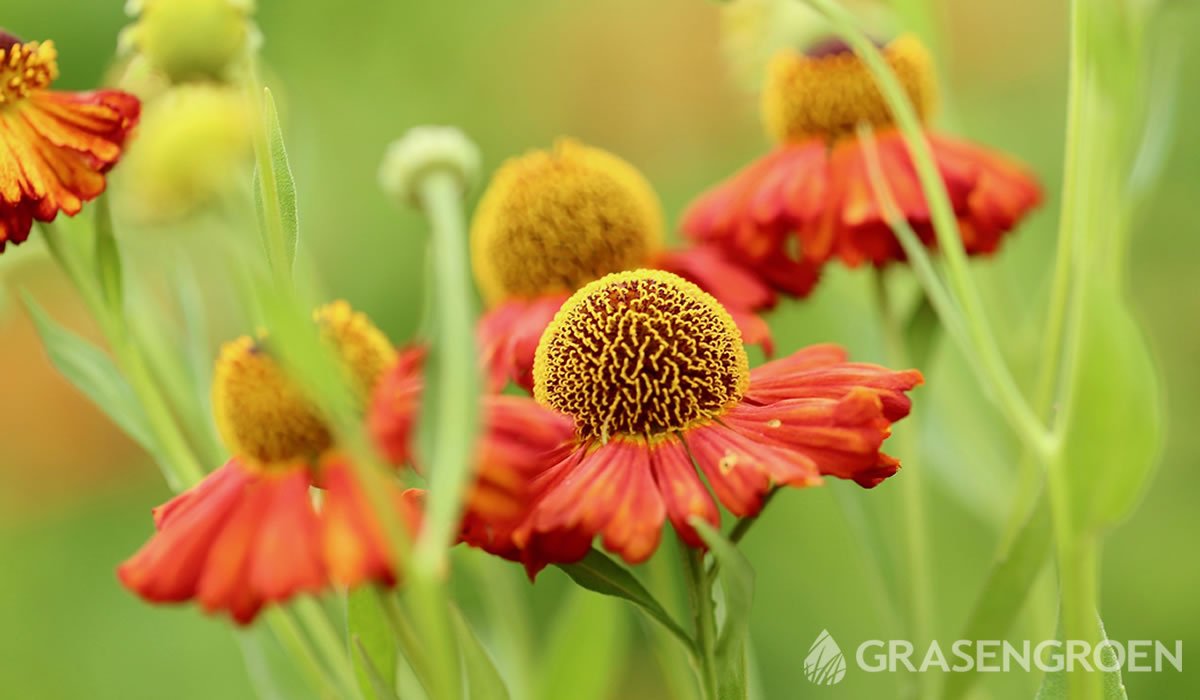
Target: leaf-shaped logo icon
825,664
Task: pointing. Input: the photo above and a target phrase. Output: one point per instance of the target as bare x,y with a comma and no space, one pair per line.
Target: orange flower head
552,221
250,533
828,91
673,356
812,199
652,373
264,417
55,147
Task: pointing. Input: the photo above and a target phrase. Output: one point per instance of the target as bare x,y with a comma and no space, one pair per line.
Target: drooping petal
742,470
821,371
395,405
508,335
683,493
55,148
354,542
840,437
238,541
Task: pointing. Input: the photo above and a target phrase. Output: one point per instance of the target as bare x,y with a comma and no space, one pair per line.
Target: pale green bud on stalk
420,152
191,39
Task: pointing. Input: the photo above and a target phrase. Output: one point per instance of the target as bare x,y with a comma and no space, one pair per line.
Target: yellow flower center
25,67
640,353
552,221
828,91
264,416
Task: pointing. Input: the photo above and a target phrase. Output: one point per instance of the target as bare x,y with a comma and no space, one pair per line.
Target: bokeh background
647,80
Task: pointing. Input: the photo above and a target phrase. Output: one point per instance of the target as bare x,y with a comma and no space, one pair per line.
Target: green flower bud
191,39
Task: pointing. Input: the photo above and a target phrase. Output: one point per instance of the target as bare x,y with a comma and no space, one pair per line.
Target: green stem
327,639
454,419
983,343
704,617
410,642
915,525
176,459
293,640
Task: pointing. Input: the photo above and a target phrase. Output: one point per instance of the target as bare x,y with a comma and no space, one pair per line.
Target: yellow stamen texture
552,221
828,96
640,353
25,68
263,415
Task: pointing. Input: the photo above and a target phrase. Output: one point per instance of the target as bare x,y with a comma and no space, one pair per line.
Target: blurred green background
646,80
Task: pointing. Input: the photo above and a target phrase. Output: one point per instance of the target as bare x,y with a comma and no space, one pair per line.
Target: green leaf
483,680
381,688
585,645
275,191
108,256
600,574
368,626
1113,435
93,373
922,332
1054,685
733,681
1005,590
737,583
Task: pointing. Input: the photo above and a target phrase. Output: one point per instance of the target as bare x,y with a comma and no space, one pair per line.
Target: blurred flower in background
189,40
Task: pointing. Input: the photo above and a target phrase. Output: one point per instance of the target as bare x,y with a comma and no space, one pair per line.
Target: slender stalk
176,459
327,639
406,636
915,524
699,587
301,649
995,371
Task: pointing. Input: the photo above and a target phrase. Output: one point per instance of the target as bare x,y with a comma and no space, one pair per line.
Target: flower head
249,534
553,221
57,146
815,190
191,39
651,372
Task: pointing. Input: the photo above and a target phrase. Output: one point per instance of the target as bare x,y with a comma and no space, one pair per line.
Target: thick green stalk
331,644
704,618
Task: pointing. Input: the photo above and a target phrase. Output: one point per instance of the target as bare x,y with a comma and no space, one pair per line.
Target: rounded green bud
191,39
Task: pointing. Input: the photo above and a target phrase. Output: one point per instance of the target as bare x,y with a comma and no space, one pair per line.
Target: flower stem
915,526
176,459
704,617
326,636
301,649
983,345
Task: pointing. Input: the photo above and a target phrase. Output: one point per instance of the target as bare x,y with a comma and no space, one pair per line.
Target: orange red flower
250,534
652,372
811,200
552,221
55,147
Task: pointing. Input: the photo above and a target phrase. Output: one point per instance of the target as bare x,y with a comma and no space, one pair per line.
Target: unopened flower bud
191,39
425,150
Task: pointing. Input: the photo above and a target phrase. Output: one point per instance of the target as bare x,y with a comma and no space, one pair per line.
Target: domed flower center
640,353
828,91
264,416
25,67
552,221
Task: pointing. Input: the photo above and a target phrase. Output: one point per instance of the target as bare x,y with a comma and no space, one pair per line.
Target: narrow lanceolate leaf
1054,685
483,680
93,373
1115,418
108,256
737,583
367,622
600,574
275,191
1005,590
